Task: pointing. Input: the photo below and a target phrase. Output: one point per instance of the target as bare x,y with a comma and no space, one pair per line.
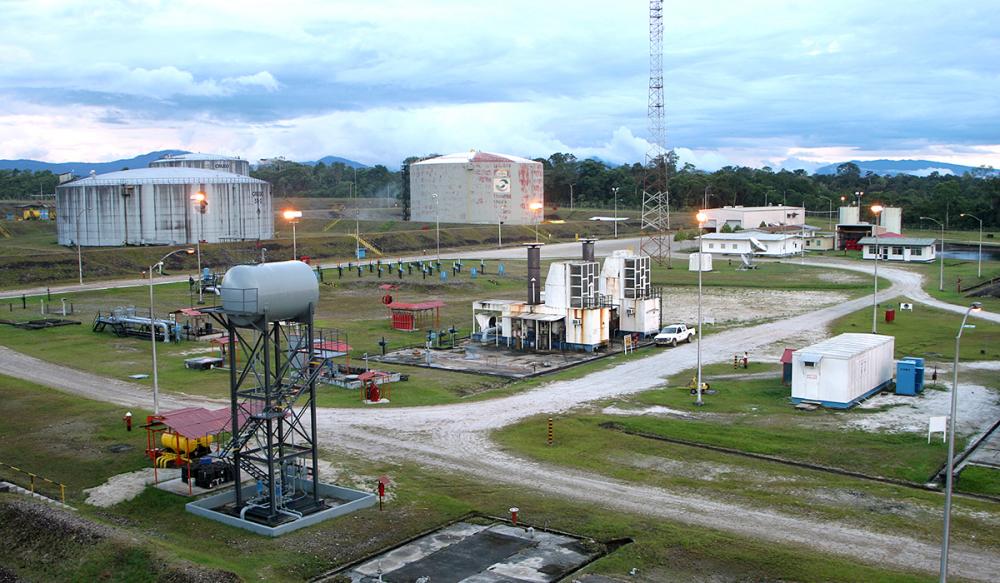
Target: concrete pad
469,553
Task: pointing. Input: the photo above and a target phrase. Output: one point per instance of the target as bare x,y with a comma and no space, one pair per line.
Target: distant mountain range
84,168
914,167
335,159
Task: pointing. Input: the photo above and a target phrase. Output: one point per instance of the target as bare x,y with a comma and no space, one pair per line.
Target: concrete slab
469,553
493,360
339,501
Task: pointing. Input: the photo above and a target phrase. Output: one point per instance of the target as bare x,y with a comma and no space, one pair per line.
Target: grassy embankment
753,415
157,534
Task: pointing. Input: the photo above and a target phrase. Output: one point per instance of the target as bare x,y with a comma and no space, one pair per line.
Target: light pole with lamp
536,207
293,216
859,194
437,225
201,200
614,190
975,307
79,254
876,210
940,254
979,271
152,328
701,258
571,185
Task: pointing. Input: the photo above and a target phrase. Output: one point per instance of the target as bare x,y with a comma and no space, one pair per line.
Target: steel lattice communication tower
656,239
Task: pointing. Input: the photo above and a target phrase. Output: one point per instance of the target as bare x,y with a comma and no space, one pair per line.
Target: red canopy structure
412,316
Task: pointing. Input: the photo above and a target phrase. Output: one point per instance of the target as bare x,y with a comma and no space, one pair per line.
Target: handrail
62,487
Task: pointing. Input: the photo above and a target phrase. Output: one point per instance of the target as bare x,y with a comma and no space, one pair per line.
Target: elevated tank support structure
273,404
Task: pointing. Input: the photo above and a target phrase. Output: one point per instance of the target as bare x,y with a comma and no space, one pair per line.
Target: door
811,389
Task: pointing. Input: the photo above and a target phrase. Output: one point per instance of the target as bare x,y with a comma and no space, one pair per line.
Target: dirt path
456,438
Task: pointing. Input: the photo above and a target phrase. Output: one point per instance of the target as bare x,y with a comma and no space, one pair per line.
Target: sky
793,84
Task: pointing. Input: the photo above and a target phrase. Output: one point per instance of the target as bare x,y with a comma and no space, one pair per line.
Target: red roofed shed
412,316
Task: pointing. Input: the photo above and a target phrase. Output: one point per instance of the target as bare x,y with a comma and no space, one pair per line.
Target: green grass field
155,535
927,332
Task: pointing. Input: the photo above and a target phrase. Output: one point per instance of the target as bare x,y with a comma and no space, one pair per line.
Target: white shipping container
842,370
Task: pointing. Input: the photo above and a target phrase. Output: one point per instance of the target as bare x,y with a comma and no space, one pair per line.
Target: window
711,245
916,251
897,250
733,246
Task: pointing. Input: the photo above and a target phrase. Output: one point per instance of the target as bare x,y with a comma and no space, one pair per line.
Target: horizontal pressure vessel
283,290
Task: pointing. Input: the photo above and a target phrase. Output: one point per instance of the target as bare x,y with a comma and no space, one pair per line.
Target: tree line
590,183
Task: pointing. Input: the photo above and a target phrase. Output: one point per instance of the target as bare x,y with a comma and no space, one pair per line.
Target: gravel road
456,437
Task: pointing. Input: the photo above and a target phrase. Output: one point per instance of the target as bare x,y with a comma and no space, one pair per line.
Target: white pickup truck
673,334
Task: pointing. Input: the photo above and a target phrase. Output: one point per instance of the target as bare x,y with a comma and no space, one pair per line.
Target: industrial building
752,243
477,187
584,305
204,161
851,229
752,217
896,248
841,371
154,206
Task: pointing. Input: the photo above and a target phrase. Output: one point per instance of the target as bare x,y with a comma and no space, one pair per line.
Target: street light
293,216
940,254
876,210
975,307
701,258
614,190
152,328
537,208
979,272
437,226
79,254
859,194
201,200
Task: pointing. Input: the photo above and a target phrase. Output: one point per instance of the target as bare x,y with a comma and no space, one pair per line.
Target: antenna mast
655,236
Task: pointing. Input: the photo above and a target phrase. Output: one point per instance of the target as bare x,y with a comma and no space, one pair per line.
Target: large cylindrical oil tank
283,290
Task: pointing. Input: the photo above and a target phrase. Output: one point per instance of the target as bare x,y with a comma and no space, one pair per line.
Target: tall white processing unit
625,283
584,304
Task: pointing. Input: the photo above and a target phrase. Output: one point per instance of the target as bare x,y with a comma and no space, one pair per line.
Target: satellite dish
757,245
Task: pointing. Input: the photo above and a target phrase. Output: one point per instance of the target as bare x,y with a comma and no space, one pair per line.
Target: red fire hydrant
128,421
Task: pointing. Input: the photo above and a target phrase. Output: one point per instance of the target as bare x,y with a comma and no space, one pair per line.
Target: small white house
818,241
898,249
746,242
841,371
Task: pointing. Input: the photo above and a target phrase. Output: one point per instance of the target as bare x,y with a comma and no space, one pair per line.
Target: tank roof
476,156
162,175
196,156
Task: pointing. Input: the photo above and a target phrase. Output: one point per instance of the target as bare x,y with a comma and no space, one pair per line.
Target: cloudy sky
778,82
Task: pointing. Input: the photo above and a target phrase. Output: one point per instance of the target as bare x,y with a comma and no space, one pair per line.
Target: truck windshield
669,330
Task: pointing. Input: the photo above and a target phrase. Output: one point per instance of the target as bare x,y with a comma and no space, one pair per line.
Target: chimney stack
534,273
588,249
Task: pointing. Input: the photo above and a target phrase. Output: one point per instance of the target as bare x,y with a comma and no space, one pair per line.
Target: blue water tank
909,376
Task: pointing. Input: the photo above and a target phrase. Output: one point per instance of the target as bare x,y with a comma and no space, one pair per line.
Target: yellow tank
182,444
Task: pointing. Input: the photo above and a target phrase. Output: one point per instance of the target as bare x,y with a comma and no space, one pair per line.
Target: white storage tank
204,161
705,261
891,219
284,290
843,370
477,187
153,206
849,215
